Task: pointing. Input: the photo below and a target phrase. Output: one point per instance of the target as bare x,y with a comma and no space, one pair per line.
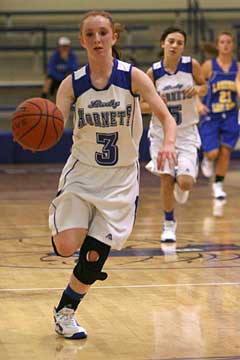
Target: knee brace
89,271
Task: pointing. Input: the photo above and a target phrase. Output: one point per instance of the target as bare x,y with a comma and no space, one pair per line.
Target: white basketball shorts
101,200
187,143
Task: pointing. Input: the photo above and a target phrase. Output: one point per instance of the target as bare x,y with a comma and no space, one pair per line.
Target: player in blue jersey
95,206
178,79
219,129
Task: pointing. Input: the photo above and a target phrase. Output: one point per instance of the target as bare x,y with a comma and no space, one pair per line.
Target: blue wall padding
11,152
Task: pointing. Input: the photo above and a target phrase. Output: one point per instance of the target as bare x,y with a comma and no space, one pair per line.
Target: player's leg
229,138
187,169
92,256
222,165
209,133
167,186
69,217
182,188
169,225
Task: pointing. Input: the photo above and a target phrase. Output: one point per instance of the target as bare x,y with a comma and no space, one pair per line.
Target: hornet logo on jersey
99,103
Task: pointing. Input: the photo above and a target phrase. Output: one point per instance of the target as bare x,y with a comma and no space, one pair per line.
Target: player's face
64,51
225,44
173,44
97,36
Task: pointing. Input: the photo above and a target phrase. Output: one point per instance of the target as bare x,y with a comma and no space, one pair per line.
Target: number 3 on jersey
109,154
176,112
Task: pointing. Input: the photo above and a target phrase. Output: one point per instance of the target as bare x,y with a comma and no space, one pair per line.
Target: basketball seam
46,125
40,116
24,115
29,130
54,126
33,103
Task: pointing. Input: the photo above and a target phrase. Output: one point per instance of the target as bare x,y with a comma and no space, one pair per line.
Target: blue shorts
219,129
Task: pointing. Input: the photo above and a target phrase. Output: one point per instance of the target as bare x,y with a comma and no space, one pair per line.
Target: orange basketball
37,124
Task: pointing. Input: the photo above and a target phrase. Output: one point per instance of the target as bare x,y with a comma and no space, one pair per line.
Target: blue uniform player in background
219,128
62,63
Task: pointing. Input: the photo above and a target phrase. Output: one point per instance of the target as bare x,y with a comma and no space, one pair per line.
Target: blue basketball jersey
222,94
108,122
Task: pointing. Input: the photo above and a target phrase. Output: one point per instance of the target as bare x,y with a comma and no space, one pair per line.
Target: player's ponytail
118,29
209,48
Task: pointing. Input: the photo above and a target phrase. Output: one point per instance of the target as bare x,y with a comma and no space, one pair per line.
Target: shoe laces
168,225
67,315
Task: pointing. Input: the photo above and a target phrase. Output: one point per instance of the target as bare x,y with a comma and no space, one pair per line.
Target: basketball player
178,79
219,129
95,207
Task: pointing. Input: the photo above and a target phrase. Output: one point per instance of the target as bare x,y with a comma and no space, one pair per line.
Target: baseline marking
128,286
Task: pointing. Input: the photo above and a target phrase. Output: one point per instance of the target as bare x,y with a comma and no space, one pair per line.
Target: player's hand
167,153
191,91
202,109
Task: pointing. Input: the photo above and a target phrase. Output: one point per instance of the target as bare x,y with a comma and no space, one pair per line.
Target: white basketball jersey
108,122
183,109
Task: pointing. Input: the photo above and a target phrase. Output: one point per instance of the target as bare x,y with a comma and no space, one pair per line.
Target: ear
162,46
115,38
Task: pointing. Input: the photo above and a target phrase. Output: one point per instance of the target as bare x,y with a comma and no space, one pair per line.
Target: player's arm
65,97
238,80
142,84
200,87
145,108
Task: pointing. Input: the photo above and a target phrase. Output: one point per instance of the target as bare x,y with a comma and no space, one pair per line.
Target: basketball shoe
66,325
169,231
217,189
207,167
180,195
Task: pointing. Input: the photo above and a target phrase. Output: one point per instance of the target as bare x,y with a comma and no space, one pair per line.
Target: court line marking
129,286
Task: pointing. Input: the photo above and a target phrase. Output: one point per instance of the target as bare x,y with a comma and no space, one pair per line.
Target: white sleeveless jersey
108,122
183,109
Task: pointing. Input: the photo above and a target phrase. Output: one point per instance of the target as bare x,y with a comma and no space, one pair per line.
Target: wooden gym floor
159,302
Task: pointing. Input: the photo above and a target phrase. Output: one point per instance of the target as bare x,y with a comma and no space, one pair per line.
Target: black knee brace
89,271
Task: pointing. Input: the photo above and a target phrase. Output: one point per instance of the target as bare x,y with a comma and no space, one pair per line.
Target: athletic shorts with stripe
101,200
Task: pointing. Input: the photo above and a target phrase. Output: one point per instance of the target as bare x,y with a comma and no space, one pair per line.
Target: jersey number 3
176,112
109,154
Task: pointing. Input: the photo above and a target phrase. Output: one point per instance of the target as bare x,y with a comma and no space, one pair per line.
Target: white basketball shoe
67,326
217,189
180,195
207,167
169,231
